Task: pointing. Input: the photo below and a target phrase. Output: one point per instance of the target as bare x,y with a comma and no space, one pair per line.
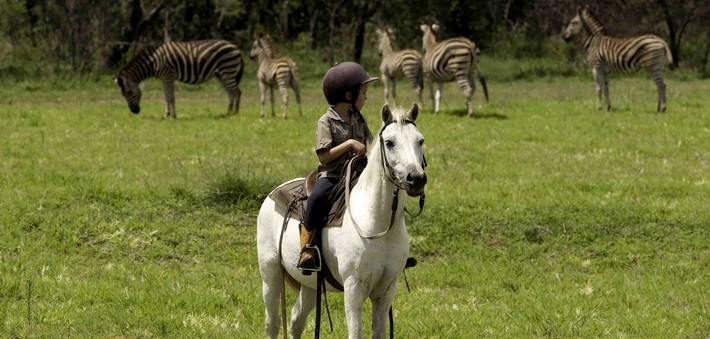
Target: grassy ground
544,216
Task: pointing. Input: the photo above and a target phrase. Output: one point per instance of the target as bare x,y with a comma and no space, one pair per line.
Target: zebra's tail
479,71
482,79
669,56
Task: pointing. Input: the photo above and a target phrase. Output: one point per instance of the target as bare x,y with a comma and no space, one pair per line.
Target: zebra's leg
657,77
169,88
283,90
271,97
598,84
471,91
236,96
305,303
437,96
386,84
431,95
297,91
605,83
262,97
394,92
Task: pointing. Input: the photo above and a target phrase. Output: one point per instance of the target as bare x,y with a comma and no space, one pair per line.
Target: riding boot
309,261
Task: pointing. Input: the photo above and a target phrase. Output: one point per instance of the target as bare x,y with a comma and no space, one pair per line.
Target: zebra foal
448,60
192,62
607,54
281,72
398,64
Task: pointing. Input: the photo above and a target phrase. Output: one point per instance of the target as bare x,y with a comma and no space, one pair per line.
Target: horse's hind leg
272,288
305,303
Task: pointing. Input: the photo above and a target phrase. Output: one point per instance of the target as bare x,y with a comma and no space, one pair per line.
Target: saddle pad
293,195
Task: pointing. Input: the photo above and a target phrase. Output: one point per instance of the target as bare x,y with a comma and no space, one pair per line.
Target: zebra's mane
268,43
139,58
591,21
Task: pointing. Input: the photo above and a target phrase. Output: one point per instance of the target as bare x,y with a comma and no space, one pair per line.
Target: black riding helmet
344,77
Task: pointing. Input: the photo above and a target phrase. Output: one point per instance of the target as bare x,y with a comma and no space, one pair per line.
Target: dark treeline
49,37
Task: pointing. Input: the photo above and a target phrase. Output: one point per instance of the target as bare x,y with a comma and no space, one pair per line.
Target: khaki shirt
333,131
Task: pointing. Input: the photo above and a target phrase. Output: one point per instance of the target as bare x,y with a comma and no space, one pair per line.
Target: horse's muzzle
135,109
415,183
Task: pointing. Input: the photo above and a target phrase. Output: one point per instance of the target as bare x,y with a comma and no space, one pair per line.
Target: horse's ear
423,27
413,113
386,114
435,28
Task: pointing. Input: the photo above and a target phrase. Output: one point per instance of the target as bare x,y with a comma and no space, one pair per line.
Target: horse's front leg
381,303
305,303
354,298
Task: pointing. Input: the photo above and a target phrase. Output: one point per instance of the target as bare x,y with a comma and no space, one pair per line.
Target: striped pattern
280,72
192,62
398,64
455,59
607,54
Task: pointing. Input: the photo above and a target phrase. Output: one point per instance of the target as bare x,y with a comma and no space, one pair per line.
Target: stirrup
308,270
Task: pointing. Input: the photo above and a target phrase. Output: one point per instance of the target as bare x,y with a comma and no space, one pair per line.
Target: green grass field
544,216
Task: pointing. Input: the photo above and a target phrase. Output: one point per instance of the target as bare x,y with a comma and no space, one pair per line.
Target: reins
387,169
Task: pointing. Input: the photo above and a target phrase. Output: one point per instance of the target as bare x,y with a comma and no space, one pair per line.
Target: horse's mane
591,21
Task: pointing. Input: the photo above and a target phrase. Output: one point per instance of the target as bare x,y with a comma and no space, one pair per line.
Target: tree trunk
365,13
136,24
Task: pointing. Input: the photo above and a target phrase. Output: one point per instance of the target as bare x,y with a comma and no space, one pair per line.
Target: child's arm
328,155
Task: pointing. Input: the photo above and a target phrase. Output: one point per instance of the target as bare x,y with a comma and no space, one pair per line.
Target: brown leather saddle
293,196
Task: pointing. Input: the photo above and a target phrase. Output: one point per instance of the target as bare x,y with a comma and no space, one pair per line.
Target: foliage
59,37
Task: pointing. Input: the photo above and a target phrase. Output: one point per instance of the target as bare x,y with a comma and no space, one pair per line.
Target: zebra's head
131,92
262,42
429,35
573,28
386,35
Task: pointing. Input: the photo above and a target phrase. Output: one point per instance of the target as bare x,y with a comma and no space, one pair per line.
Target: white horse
368,252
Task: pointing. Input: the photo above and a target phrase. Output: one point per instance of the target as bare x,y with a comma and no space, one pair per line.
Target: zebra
192,62
449,60
606,54
396,64
280,72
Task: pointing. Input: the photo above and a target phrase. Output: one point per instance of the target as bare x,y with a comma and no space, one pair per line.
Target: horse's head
131,91
401,148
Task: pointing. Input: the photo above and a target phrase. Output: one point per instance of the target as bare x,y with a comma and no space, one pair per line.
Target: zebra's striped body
606,54
192,62
455,59
399,64
281,72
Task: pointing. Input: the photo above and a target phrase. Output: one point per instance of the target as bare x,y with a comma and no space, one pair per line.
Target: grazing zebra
397,64
280,72
619,55
192,62
449,60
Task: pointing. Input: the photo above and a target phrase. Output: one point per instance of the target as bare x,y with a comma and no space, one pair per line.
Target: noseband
389,174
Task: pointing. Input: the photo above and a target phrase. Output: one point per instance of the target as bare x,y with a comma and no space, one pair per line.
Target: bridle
388,171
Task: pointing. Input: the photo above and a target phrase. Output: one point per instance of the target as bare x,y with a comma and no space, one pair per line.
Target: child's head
343,82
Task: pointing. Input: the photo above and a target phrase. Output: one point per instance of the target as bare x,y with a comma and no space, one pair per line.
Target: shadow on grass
464,113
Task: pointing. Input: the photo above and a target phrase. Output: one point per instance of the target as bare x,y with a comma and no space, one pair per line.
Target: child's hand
357,147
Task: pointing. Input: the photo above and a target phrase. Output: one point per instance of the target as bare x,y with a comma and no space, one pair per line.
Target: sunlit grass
544,216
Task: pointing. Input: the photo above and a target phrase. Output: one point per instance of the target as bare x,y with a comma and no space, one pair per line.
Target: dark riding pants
318,203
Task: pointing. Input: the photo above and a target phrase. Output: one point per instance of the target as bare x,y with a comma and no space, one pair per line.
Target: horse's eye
421,142
389,143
